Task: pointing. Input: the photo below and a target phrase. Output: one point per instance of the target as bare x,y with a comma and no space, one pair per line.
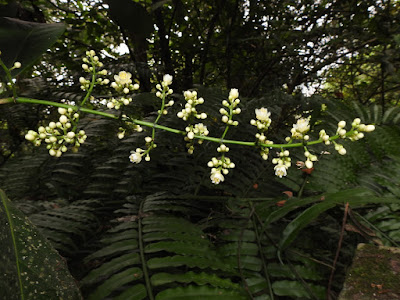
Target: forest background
161,229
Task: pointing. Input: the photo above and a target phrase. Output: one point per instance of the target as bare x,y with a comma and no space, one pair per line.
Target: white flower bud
342,124
63,119
225,119
71,135
308,164
190,135
167,79
342,151
17,65
148,139
369,128
30,136
62,111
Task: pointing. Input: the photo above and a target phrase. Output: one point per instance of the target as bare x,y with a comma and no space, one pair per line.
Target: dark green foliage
30,267
25,42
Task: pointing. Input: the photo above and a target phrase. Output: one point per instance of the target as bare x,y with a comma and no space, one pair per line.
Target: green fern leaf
199,292
115,282
191,277
111,267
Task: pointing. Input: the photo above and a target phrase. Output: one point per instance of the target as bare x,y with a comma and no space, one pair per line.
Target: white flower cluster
197,129
163,90
93,60
231,104
262,122
123,83
58,135
220,167
282,163
300,129
117,103
190,107
358,128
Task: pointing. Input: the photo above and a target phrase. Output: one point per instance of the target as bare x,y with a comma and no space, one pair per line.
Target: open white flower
123,78
136,157
280,170
302,125
216,176
262,114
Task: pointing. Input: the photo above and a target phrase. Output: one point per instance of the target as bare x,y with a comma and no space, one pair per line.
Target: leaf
198,278
137,292
353,196
110,268
301,221
30,267
198,293
296,290
115,282
190,261
113,249
25,41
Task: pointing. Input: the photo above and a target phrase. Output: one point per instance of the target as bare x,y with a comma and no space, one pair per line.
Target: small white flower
123,78
216,177
167,79
302,125
135,157
263,114
280,170
17,65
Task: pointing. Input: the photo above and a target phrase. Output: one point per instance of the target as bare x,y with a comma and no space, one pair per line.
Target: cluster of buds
310,158
262,122
59,135
265,150
163,91
117,103
300,129
339,148
358,128
324,137
134,127
137,155
283,162
219,168
91,63
123,83
190,111
197,129
231,108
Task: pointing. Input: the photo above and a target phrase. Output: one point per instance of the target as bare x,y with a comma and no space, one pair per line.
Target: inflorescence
60,135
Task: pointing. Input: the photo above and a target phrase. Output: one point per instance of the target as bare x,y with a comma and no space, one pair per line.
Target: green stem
92,83
9,78
172,130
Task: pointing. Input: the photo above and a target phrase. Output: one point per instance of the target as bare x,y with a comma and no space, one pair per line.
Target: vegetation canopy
197,149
